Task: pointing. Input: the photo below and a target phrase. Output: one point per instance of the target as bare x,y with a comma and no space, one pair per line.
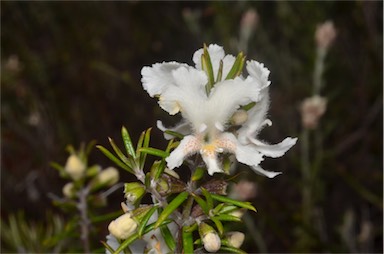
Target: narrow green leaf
234,202
168,238
140,144
228,249
191,228
106,217
128,142
160,169
219,225
248,106
89,147
237,66
176,202
208,197
147,138
201,203
187,242
154,151
145,219
226,209
114,159
119,153
109,248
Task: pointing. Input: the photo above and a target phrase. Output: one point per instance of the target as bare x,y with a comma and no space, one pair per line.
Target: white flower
235,238
108,176
123,227
211,242
207,116
75,167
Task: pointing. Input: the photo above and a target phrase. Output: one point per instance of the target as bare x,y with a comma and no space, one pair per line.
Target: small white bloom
325,34
235,238
211,242
312,109
181,88
75,167
108,176
123,227
69,190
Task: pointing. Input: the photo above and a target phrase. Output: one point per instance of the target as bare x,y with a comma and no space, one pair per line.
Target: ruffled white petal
226,97
276,150
256,119
212,164
188,146
269,174
183,128
156,78
216,54
258,72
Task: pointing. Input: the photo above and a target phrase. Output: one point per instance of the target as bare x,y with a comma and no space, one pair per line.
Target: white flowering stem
82,206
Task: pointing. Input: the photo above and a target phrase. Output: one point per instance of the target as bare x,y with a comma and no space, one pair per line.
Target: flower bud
134,191
235,239
75,167
312,109
244,190
325,34
108,176
209,237
69,190
239,117
123,227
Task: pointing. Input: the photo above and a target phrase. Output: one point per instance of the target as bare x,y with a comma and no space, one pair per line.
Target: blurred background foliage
70,72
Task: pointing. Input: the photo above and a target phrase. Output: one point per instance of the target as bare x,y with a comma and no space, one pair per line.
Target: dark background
78,79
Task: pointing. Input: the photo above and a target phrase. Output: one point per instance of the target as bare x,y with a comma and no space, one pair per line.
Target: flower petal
276,150
269,174
212,164
188,146
156,78
258,72
226,97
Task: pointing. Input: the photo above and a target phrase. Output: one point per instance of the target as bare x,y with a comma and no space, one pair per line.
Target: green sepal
175,134
141,212
220,72
128,142
227,217
144,220
246,205
93,170
198,174
248,106
175,203
206,65
237,66
114,159
187,241
226,208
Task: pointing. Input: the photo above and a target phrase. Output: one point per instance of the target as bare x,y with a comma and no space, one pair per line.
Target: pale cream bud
325,34
69,190
235,239
238,213
123,227
212,242
75,167
312,109
172,173
239,117
108,176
